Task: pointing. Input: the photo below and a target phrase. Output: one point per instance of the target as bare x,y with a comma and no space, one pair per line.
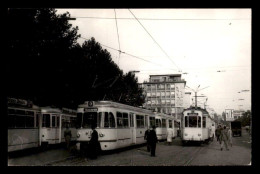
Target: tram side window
163,123
139,121
186,121
109,120
53,121
158,123
29,121
152,121
204,122
170,123
125,120
131,120
119,117
199,121
46,120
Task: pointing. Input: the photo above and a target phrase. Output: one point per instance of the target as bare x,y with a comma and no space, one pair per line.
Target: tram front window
90,118
193,121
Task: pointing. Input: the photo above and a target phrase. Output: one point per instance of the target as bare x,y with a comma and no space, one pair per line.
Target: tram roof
49,109
105,103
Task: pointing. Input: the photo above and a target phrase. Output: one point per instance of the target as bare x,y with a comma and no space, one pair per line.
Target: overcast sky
194,42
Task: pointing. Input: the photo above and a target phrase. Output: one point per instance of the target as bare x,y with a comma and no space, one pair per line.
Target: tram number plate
91,109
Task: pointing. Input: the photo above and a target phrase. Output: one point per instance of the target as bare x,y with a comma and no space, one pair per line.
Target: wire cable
153,39
117,38
132,55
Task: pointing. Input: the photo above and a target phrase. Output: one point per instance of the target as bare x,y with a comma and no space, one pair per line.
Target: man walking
67,136
152,138
218,132
224,138
146,134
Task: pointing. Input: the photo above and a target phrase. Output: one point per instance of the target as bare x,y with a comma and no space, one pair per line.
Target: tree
39,44
245,119
46,64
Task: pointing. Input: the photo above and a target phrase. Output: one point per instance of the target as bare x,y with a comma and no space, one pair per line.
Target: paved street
166,155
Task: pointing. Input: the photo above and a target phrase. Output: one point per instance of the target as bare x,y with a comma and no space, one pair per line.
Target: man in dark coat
146,134
218,132
67,136
152,138
94,145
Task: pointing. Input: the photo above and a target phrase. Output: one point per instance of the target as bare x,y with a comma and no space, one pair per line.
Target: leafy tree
46,64
245,119
38,55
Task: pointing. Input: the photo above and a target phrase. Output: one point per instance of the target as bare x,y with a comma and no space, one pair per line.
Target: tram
196,126
23,127
163,123
53,122
118,125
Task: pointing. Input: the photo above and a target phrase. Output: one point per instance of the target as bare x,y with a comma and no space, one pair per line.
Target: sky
196,43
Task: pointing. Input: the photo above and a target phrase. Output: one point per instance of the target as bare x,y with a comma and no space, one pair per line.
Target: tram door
55,128
132,127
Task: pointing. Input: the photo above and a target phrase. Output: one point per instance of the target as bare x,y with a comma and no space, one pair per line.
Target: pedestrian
224,138
67,136
169,136
94,145
152,138
218,132
230,136
146,134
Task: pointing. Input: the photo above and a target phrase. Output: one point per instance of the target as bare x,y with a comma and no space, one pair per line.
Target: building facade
165,94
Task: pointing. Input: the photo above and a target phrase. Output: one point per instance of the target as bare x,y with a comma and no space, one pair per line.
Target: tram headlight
78,135
101,135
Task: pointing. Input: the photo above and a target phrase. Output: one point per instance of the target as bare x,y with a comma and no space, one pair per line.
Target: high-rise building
166,94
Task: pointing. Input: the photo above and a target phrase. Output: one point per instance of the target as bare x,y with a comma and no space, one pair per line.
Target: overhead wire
154,39
131,55
117,38
94,17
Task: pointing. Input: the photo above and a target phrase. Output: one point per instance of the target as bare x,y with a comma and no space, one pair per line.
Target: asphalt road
166,155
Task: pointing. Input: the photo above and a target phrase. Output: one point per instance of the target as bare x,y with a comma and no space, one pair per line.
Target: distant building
229,116
238,113
165,94
187,100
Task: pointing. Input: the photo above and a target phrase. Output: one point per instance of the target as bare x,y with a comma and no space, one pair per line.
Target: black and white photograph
129,87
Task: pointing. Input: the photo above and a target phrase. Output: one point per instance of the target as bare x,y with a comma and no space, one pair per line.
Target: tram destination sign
90,109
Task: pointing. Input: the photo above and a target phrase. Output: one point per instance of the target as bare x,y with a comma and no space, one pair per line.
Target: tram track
194,154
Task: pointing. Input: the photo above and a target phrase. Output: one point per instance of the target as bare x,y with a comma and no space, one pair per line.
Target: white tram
53,123
196,125
23,130
118,125
163,123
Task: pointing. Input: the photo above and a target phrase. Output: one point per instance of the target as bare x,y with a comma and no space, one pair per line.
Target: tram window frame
73,122
163,123
79,119
186,121
152,121
140,121
125,120
192,120
87,121
46,122
199,122
158,122
119,120
131,119
204,122
53,121
170,124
